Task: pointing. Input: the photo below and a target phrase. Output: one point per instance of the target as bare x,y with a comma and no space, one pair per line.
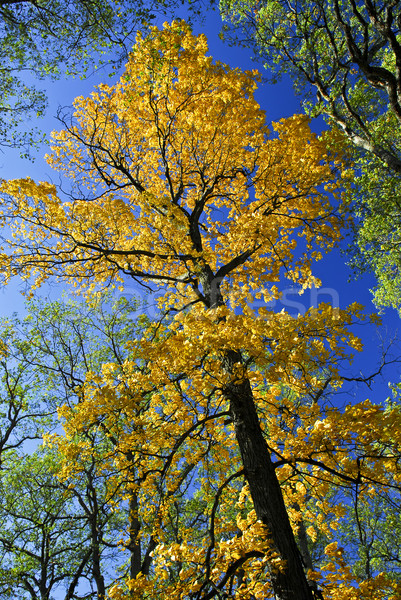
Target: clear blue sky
278,101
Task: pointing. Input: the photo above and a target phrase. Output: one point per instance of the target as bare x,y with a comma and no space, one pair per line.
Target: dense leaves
41,40
209,428
344,58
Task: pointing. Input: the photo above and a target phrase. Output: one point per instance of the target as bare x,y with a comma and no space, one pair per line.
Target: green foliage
60,537
43,542
22,416
371,532
344,59
375,196
47,40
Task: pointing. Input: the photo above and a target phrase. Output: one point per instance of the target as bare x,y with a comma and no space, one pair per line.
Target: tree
60,536
370,535
54,39
44,541
44,544
23,418
113,501
67,515
176,181
344,58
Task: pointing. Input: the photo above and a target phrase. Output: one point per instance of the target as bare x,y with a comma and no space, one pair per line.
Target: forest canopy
204,453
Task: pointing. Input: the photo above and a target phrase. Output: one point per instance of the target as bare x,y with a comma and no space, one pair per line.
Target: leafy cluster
46,40
344,58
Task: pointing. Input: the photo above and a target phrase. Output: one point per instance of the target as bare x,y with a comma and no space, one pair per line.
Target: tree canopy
46,40
60,534
344,58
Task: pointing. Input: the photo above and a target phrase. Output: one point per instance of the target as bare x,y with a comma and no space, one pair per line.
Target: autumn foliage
215,427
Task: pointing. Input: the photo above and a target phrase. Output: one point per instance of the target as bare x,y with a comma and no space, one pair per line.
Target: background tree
98,485
44,543
60,536
52,533
344,58
48,40
23,417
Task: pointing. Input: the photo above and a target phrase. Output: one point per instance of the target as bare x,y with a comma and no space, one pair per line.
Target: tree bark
289,582
134,539
95,542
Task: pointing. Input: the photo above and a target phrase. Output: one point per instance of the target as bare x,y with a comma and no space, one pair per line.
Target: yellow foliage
165,152
177,182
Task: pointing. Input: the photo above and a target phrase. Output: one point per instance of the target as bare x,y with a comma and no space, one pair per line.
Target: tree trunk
289,583
95,542
134,540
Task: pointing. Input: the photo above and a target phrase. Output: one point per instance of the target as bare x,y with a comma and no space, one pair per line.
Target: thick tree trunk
290,583
134,539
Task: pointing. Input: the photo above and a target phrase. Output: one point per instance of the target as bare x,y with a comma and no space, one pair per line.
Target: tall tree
67,515
175,180
344,57
45,546
60,535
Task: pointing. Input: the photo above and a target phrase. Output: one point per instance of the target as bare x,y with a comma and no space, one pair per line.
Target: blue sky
278,101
